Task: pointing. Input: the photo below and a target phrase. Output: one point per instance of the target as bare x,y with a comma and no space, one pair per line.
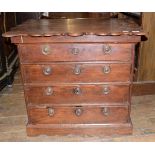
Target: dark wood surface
90,94
146,66
78,39
89,115
76,27
143,88
32,53
80,129
50,52
72,15
66,73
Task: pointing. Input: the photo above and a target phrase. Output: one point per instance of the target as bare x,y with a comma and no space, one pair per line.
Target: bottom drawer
78,115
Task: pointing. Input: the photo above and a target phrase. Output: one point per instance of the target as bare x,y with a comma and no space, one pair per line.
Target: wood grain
33,53
77,39
146,68
62,101
61,73
90,115
88,129
90,94
44,27
143,88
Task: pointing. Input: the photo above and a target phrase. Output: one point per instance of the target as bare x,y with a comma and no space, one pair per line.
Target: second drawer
77,73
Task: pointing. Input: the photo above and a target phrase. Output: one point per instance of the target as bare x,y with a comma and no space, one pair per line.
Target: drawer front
78,115
76,73
74,52
77,94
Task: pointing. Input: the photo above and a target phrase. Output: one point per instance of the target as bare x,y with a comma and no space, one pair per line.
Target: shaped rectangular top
76,27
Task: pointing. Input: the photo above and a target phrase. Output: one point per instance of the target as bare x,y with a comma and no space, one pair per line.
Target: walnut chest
77,74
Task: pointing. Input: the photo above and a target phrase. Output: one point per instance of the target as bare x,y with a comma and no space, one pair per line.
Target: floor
13,119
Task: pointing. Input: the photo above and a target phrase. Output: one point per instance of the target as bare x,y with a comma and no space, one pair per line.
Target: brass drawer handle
106,69
49,91
78,111
51,112
105,111
77,70
75,51
47,70
77,91
106,90
106,49
46,50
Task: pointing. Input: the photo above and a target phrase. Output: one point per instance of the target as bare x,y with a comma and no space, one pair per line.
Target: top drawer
30,53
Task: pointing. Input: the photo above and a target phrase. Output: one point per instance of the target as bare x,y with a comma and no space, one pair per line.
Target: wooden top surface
76,27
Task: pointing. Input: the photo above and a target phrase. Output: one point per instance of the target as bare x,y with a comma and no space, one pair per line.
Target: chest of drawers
77,74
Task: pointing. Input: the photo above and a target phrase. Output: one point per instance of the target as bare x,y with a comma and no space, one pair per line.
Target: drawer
76,73
74,52
78,115
77,94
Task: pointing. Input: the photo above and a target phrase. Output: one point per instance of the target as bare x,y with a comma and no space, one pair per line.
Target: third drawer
78,94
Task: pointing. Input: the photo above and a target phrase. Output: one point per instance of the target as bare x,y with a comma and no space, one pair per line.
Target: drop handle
105,111
106,49
47,70
106,69
51,112
78,112
46,50
49,91
106,90
77,91
77,70
75,51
